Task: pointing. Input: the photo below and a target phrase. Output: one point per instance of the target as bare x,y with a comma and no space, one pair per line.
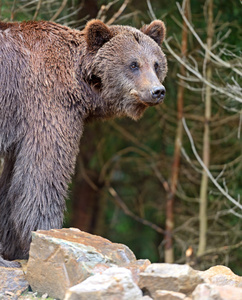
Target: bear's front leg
5,221
44,162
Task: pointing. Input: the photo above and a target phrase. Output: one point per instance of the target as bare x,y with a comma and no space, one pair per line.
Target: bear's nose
158,92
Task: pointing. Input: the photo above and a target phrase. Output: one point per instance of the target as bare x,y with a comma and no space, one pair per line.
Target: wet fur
53,79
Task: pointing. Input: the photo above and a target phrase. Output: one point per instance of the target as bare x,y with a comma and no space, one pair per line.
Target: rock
169,295
62,258
207,291
114,283
170,277
136,267
221,275
12,282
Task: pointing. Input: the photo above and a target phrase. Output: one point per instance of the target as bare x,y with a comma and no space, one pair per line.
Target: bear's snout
148,86
158,92
153,95
150,96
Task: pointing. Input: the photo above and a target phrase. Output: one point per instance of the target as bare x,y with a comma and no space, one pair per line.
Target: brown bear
54,79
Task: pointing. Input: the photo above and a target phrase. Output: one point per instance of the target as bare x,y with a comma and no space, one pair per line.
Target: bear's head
128,66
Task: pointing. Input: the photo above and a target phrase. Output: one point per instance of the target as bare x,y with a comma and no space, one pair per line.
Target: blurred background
169,185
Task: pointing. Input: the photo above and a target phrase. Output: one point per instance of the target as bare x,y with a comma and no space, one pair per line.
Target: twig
13,10
221,249
37,10
183,151
116,157
22,7
215,250
231,199
132,138
132,215
198,75
162,180
74,12
153,16
103,10
118,13
218,59
240,125
63,4
87,178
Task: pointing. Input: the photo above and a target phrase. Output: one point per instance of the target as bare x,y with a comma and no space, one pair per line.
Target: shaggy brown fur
52,80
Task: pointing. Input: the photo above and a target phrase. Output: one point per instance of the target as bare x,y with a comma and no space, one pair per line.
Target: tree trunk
85,199
206,138
169,253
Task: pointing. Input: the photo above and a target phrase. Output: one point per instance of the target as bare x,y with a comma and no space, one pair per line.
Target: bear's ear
97,34
156,30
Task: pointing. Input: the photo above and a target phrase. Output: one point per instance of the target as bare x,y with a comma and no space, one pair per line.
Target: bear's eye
134,66
156,66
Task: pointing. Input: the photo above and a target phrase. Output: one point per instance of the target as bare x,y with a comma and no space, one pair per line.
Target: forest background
169,185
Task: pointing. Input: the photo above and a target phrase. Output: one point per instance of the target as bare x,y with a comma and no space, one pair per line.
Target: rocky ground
70,264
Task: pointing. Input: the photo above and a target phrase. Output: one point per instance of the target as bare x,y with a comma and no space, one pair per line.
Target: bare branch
202,79
13,10
37,10
132,138
240,125
63,4
231,199
151,10
218,59
103,10
222,249
118,13
132,215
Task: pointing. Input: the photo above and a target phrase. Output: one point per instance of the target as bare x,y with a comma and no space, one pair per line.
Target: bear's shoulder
32,30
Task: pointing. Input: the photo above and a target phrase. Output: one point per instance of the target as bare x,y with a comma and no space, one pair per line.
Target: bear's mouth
145,99
96,83
142,102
